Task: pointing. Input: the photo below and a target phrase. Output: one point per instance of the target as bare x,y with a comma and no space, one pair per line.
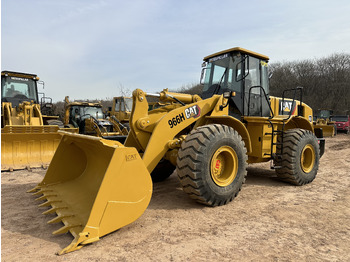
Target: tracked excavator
209,140
28,138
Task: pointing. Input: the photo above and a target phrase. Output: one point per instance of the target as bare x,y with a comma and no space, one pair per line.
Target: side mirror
201,81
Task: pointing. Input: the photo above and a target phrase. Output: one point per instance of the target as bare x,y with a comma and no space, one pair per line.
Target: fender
299,122
235,124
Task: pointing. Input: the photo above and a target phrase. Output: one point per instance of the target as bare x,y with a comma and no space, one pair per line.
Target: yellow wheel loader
323,120
210,140
121,109
90,120
28,138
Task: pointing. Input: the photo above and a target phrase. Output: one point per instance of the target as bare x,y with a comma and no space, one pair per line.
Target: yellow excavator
28,138
209,140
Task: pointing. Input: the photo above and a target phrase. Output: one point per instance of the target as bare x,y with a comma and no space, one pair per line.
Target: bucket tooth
44,197
33,190
48,203
65,229
38,193
42,191
52,210
58,219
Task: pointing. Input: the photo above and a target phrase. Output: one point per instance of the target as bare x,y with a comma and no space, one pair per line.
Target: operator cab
78,114
123,104
18,87
244,75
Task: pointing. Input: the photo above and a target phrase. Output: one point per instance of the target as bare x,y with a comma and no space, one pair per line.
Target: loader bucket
28,147
328,130
95,186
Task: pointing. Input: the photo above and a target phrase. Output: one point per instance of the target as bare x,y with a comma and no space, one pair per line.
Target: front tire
211,164
300,159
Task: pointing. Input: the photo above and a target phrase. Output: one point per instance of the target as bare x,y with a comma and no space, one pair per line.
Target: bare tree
326,81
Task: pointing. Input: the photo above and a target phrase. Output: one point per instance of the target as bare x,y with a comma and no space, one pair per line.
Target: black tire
300,159
55,122
211,164
162,171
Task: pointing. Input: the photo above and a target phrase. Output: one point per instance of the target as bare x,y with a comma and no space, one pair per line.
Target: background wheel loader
323,120
209,139
28,138
90,120
121,109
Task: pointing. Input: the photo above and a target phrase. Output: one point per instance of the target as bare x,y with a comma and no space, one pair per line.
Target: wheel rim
224,166
307,158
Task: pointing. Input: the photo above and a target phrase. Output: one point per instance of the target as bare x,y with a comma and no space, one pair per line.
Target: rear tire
211,164
300,158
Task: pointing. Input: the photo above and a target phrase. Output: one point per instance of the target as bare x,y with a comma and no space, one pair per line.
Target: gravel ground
268,221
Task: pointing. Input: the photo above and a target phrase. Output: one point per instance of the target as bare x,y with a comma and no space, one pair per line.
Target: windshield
325,114
128,104
18,87
216,73
86,112
340,118
124,104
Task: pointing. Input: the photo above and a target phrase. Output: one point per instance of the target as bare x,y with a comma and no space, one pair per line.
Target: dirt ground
268,221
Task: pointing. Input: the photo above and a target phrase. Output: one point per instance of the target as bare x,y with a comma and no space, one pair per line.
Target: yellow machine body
323,121
328,128
108,185
28,146
25,141
121,108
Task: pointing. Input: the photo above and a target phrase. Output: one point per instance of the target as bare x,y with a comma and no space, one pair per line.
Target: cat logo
193,111
130,157
286,106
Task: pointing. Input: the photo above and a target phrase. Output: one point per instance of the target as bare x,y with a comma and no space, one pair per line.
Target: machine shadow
263,176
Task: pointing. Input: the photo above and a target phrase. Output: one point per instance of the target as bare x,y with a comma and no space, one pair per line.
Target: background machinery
209,139
28,138
121,109
323,120
342,123
90,120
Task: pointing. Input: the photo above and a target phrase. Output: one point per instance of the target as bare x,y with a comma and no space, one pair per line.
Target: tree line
325,81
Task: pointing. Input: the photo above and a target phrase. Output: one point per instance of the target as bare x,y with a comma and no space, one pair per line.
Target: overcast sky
90,49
